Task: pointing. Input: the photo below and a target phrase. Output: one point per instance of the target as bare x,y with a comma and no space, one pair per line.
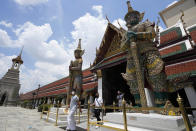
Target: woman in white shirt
71,125
97,103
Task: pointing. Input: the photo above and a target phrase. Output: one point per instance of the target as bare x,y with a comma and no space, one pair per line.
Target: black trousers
97,114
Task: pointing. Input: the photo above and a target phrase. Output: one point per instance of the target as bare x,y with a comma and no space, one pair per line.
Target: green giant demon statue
144,64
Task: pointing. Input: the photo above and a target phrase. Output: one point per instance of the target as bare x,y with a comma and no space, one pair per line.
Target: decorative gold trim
140,81
99,73
154,63
114,47
130,70
184,114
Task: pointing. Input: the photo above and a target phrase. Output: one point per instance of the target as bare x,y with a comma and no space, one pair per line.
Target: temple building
171,14
176,45
10,84
58,90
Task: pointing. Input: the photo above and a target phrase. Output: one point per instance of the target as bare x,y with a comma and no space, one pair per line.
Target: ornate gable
110,44
114,47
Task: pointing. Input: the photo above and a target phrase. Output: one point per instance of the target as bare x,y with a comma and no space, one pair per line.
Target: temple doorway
112,82
2,99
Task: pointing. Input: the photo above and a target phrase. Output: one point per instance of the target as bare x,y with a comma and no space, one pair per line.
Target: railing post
42,111
114,106
184,114
79,113
88,111
103,111
124,115
57,113
48,113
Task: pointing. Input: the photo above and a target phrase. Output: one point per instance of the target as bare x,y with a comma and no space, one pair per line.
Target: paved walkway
20,119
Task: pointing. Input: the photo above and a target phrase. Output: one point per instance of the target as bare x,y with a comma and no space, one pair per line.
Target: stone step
150,121
64,116
108,126
63,110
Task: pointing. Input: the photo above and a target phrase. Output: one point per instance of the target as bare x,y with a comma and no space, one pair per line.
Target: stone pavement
21,119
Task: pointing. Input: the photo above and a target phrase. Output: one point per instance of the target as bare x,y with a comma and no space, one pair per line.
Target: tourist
92,109
71,125
97,103
120,96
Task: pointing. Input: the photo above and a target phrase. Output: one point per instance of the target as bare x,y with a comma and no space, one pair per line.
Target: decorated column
149,97
63,101
48,100
99,75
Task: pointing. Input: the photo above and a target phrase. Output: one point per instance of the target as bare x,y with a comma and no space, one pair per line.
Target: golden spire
79,48
119,24
97,51
79,44
107,19
18,58
130,9
21,51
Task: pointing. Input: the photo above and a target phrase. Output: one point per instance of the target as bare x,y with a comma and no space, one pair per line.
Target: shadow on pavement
77,128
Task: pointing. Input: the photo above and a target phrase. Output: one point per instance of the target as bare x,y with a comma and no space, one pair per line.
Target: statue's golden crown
131,11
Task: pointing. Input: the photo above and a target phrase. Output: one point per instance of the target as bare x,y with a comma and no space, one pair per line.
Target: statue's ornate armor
151,64
77,76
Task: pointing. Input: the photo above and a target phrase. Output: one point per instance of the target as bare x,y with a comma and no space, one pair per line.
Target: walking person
97,103
92,109
120,98
71,125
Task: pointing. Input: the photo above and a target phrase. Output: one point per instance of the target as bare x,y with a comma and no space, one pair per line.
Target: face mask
72,92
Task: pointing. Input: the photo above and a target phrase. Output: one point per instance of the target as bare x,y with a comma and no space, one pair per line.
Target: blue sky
49,31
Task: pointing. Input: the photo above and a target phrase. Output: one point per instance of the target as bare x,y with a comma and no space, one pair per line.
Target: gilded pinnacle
79,44
21,51
18,58
107,19
130,9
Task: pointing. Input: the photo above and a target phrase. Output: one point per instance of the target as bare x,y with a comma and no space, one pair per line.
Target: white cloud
6,24
98,8
91,29
30,2
35,38
5,63
160,29
172,3
43,74
5,40
59,69
121,22
51,57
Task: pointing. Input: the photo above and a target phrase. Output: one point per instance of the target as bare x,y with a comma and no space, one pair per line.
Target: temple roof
111,30
59,87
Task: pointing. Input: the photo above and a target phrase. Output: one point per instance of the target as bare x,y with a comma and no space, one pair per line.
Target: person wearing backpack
97,103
